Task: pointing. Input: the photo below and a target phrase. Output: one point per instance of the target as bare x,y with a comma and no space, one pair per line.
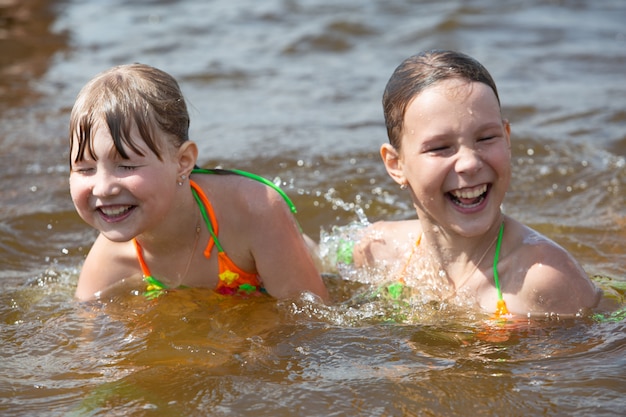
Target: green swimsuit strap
207,221
495,261
250,175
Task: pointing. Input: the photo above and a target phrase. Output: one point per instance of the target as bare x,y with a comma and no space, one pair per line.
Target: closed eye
128,167
83,170
438,150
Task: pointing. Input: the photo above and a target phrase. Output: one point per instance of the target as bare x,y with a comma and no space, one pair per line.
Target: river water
291,90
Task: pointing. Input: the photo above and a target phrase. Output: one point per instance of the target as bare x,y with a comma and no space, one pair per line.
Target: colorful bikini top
395,289
232,279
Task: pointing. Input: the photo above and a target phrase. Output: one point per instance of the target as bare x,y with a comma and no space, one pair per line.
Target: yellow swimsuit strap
408,260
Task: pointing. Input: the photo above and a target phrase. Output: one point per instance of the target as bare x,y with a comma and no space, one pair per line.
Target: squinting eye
438,149
83,170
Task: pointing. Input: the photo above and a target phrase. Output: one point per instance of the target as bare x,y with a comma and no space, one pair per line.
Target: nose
468,160
105,184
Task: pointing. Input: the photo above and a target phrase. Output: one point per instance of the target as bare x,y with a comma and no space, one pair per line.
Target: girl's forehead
101,143
451,109
453,92
457,89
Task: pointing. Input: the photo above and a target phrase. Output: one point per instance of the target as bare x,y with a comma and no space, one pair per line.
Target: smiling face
122,197
454,156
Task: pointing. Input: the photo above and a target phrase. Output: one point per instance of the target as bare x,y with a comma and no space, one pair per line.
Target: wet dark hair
126,96
421,71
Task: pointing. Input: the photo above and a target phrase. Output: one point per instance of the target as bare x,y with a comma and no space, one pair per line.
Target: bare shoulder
238,194
253,216
259,231
553,281
248,211
385,241
120,261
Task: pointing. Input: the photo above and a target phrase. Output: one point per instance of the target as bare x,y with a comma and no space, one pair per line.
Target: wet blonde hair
419,72
126,96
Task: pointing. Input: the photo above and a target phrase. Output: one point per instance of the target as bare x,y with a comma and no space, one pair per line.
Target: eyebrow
116,155
491,125
446,135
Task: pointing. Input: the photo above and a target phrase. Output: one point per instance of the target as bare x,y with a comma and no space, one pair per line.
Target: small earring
403,186
182,178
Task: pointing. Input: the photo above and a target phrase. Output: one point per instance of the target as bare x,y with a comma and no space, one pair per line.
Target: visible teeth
470,193
112,212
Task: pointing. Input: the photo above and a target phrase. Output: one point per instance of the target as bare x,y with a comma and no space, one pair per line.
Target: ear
187,156
507,131
393,163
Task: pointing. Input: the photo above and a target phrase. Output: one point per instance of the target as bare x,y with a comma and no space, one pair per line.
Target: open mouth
115,213
468,198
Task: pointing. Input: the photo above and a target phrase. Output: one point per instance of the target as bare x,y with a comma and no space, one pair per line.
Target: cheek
426,184
426,174
79,191
503,161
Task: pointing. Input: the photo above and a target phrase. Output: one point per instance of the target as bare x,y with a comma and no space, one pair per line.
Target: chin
116,236
476,228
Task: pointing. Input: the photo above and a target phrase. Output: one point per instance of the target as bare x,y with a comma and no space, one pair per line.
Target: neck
173,233
461,256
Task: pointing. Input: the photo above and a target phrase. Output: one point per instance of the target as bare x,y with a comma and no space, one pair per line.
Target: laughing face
454,156
122,197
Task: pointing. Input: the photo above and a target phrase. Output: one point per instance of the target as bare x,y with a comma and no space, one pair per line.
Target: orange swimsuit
232,279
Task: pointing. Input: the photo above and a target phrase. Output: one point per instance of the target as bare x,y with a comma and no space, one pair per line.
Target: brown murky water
291,90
